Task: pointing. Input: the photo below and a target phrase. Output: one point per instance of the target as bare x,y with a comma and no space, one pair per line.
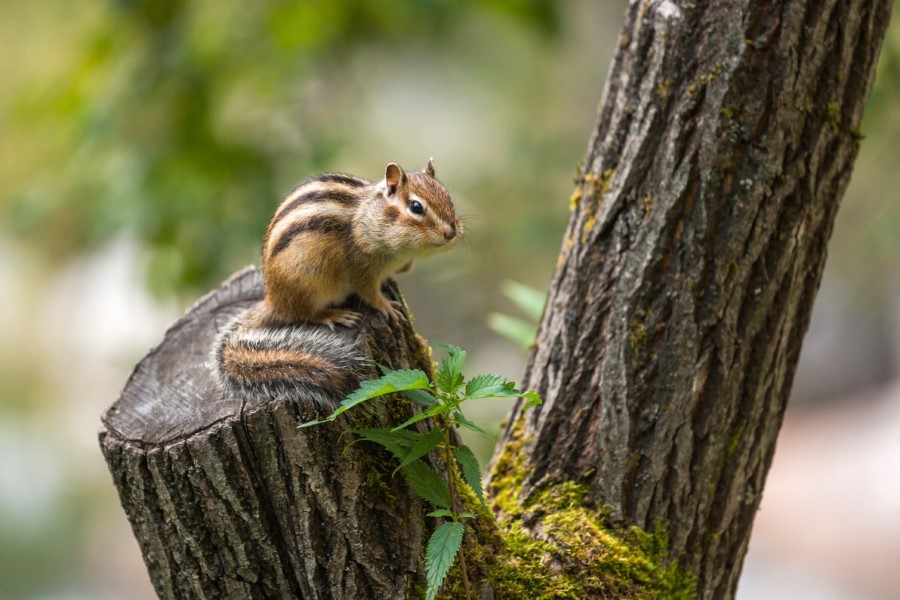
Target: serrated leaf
421,397
462,420
491,386
449,375
471,470
422,447
384,369
495,391
397,443
394,381
440,554
480,382
431,412
427,484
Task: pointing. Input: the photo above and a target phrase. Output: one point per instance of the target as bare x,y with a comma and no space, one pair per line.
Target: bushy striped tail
302,362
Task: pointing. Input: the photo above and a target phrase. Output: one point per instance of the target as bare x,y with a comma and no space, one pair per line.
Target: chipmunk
332,236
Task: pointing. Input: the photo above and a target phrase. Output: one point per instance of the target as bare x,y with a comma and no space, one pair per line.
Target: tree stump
229,499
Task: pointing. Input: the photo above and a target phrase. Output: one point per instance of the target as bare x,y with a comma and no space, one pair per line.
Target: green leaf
459,418
506,390
480,382
471,470
427,484
515,330
422,447
534,399
421,397
448,514
397,443
449,375
434,410
440,554
394,381
528,299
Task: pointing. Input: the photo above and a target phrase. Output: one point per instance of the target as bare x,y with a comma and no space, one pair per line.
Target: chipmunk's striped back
321,204
302,361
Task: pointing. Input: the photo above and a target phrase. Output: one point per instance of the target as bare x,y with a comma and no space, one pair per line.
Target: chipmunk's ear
429,169
394,177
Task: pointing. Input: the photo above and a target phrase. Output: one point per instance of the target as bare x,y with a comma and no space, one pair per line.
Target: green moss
708,78
555,544
575,199
508,473
733,442
524,570
663,90
638,334
374,466
586,228
596,187
731,270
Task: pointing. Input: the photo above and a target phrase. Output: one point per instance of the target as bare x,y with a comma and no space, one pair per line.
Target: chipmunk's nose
450,232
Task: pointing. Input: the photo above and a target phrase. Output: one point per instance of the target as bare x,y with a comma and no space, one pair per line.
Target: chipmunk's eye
416,207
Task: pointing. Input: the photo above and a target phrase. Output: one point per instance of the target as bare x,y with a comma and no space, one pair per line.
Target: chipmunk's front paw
392,311
339,316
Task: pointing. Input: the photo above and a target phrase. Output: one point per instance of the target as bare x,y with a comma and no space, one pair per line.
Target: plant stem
448,459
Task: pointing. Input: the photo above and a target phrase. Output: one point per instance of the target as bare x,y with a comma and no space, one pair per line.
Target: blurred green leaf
513,329
528,299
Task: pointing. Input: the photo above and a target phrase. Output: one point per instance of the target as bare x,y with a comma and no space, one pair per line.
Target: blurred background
146,144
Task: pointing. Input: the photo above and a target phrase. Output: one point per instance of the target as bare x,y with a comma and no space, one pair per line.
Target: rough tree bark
693,253
665,355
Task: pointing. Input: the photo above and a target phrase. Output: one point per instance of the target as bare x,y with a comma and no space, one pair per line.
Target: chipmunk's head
420,215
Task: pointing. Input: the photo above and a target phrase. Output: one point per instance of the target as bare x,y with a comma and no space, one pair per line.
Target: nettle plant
441,401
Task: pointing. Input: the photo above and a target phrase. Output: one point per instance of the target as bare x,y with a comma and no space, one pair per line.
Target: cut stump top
172,392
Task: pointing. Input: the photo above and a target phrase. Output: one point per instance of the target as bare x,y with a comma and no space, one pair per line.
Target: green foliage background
181,123
176,125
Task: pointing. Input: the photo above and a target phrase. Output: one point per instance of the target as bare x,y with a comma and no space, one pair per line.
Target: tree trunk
230,500
693,253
